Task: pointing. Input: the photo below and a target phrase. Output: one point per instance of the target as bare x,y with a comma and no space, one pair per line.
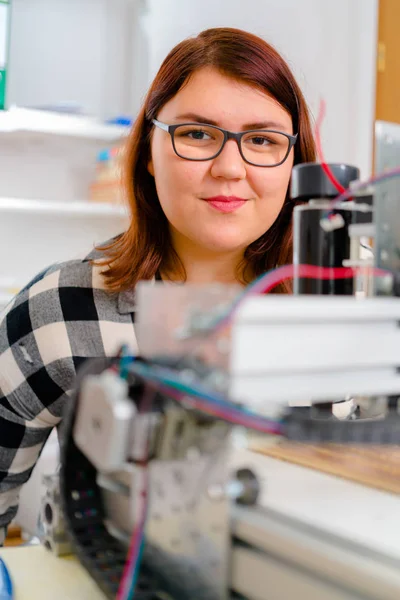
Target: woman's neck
202,266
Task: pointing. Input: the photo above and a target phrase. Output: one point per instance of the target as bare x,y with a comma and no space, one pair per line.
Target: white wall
330,44
104,53
74,50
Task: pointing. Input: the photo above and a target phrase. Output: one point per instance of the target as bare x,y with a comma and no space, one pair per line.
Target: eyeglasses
261,148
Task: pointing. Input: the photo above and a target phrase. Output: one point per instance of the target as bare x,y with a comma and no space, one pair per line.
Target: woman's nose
229,164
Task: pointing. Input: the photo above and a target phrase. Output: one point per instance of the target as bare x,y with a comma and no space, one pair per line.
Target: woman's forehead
216,97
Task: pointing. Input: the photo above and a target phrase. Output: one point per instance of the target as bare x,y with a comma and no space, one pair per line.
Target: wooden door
388,63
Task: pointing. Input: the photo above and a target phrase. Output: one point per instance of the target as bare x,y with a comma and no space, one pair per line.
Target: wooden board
388,63
377,467
14,536
39,575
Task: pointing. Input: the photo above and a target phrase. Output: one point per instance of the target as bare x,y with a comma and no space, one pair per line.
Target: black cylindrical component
313,245
309,181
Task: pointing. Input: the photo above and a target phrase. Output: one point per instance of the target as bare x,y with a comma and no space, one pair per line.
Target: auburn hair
143,250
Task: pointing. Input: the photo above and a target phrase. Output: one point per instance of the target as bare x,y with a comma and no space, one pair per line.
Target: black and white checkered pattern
61,318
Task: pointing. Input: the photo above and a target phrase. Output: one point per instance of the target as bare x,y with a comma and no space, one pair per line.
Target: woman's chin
224,244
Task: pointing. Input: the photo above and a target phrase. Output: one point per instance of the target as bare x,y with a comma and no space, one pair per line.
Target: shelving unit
35,234
27,123
47,162
24,207
46,155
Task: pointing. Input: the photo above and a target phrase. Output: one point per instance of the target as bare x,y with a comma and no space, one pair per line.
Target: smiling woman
209,164
207,171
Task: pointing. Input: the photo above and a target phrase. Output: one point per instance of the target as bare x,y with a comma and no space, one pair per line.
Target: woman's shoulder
62,317
67,300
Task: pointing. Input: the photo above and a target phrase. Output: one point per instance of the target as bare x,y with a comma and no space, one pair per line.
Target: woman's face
185,187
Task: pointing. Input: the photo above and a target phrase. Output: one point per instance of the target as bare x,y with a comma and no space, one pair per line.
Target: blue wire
167,379
135,574
125,362
239,298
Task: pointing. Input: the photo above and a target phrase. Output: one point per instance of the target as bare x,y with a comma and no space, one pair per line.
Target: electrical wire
344,194
125,359
201,398
324,273
235,417
137,562
327,170
359,186
268,281
130,573
133,566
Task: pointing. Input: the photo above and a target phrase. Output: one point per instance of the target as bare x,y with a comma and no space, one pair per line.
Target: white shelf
29,121
67,209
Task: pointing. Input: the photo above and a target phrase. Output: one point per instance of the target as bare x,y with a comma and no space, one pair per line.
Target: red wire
314,272
138,531
325,167
231,416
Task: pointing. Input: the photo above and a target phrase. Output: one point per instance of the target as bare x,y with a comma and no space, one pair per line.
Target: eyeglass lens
202,142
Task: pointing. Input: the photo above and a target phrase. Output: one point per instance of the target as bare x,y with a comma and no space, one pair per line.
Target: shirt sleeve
35,379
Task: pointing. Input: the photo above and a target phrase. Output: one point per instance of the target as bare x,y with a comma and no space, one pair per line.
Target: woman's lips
225,204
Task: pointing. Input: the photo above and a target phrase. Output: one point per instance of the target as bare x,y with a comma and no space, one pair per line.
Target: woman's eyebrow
264,125
194,117
197,118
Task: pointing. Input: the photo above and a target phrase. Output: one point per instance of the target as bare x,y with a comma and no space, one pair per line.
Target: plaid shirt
61,318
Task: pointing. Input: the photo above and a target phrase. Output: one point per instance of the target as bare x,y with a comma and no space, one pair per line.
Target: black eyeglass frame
228,135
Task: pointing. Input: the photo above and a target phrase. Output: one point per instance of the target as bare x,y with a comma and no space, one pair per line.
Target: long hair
141,251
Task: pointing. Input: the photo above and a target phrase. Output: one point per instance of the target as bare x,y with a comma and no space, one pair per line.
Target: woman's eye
198,135
260,141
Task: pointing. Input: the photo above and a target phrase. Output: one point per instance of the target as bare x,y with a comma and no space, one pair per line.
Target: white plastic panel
339,507
309,334
268,392
276,348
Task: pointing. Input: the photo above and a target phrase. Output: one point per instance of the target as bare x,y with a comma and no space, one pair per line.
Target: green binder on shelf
4,45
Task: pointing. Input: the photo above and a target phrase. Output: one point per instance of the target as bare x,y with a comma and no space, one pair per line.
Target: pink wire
391,173
328,172
135,542
134,547
313,272
270,280
231,416
130,564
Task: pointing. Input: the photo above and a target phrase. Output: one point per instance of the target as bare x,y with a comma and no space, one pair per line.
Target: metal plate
387,198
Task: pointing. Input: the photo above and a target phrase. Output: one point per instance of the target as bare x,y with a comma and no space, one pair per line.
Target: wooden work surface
39,575
377,467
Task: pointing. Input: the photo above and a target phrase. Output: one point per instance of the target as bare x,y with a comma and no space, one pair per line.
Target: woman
208,205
